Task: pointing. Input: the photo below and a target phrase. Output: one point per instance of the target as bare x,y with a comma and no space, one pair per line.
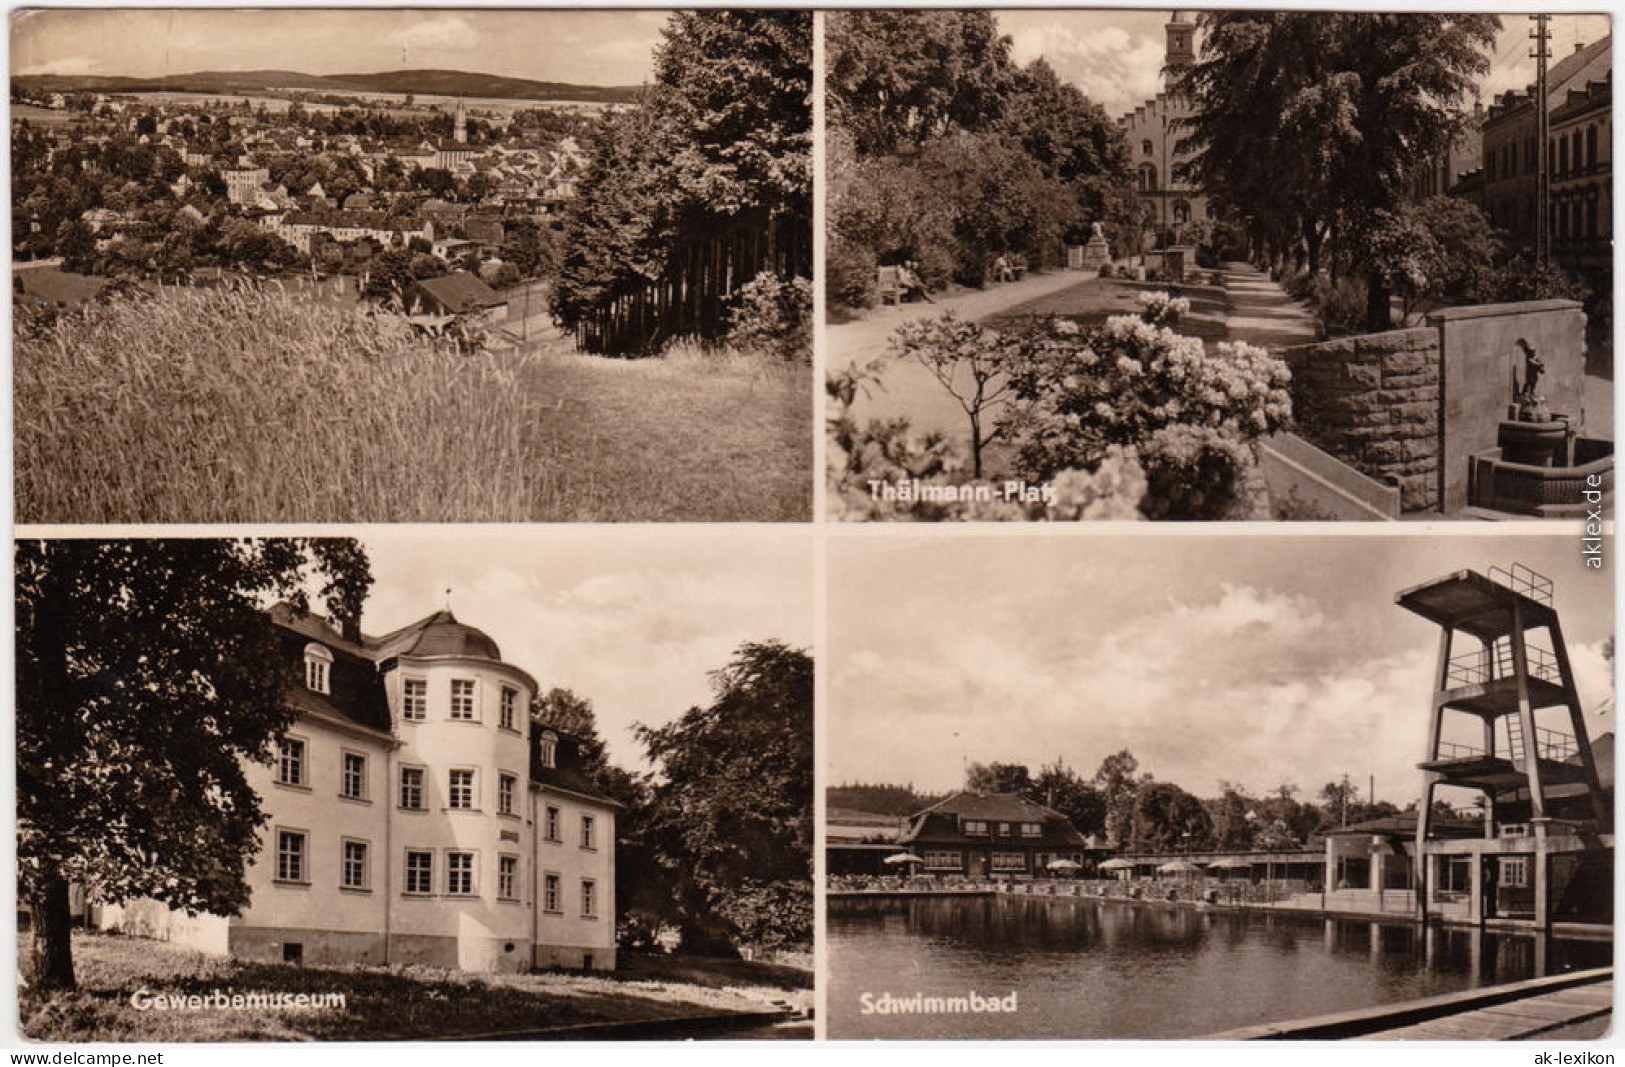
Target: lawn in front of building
380,1004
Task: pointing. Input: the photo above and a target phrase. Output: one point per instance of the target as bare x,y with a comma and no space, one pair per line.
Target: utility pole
1542,36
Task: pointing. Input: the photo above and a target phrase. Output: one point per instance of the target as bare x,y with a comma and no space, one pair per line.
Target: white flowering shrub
929,481
1132,383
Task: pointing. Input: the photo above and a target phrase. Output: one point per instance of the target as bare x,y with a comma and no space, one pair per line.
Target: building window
510,705
460,874
415,699
1004,829
460,790
290,855
507,787
589,832
549,749
942,859
1032,829
1009,861
318,660
412,788
550,825
589,899
419,872
462,699
290,764
1145,148
1515,872
507,877
354,874
1591,146
550,894
1148,178
975,826
354,781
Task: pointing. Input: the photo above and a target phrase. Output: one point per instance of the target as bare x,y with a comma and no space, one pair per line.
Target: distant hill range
428,82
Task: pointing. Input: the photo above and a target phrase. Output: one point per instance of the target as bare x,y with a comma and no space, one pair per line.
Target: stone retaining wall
1373,402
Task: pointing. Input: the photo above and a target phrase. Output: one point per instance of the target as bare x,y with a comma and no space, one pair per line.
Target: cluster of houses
509,180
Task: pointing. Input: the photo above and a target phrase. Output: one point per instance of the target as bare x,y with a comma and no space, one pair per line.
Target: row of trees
148,676
1137,813
1306,127
716,841
943,151
702,186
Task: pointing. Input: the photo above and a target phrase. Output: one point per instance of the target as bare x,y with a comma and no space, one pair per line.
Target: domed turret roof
439,635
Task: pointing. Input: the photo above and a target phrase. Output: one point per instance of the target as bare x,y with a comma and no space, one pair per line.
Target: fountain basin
1534,444
1578,478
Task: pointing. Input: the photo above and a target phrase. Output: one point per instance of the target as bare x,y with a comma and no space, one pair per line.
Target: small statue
1097,232
1530,406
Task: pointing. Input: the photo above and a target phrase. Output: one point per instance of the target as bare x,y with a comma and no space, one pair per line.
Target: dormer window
318,662
550,749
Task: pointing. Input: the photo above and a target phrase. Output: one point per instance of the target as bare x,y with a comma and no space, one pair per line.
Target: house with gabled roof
983,835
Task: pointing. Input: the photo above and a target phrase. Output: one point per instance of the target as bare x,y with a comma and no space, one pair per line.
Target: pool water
1085,968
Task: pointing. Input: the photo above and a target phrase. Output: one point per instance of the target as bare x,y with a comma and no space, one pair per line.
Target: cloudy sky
1115,56
1254,659
632,619
583,47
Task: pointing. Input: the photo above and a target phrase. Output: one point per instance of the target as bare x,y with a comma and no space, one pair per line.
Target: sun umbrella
1233,863
903,857
1063,864
1117,865
1177,867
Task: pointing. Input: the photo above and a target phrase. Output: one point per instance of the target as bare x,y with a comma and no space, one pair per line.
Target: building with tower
1153,131
416,813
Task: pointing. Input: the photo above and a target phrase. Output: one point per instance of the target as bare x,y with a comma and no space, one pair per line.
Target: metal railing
1456,750
1521,579
1484,665
1549,744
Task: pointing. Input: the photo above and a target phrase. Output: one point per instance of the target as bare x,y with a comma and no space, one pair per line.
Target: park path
909,390
1261,313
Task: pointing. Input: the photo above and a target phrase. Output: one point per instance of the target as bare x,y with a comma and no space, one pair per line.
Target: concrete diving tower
1502,660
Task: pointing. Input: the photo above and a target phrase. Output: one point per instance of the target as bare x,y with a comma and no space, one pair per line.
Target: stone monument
1097,253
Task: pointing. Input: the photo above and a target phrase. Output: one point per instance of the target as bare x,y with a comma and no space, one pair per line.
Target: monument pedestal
1096,254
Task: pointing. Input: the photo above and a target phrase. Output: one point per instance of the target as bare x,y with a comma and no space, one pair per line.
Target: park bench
889,285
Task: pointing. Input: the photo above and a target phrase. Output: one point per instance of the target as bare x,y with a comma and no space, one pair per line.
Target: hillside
437,82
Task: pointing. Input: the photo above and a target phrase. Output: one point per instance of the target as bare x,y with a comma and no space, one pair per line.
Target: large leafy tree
1319,117
999,778
720,145
148,673
1168,819
730,818
896,79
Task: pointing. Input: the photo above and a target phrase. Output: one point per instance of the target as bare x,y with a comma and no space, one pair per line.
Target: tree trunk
50,958
1378,315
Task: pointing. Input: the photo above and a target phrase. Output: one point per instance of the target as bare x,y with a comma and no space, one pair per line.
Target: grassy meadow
380,1004
203,406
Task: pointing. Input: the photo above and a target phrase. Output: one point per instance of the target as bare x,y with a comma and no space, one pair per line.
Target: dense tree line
1306,126
701,186
1137,813
945,152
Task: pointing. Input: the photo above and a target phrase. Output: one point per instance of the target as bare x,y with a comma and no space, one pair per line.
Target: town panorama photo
384,266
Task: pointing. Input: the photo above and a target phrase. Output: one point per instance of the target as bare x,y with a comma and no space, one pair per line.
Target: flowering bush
884,470
1132,383
773,315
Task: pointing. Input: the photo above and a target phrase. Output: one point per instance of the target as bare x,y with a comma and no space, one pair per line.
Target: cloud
66,65
438,32
1118,70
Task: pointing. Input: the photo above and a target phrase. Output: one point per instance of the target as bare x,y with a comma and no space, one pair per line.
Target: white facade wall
566,935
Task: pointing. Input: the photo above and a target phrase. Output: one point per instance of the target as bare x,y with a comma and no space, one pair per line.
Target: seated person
1002,271
908,279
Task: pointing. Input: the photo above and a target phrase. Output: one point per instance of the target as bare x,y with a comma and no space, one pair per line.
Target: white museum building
416,814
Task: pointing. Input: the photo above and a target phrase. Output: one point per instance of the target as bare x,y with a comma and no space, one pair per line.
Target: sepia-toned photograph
1258,786
544,786
1116,264
411,265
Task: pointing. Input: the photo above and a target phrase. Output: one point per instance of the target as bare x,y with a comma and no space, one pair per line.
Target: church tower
1181,51
460,125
